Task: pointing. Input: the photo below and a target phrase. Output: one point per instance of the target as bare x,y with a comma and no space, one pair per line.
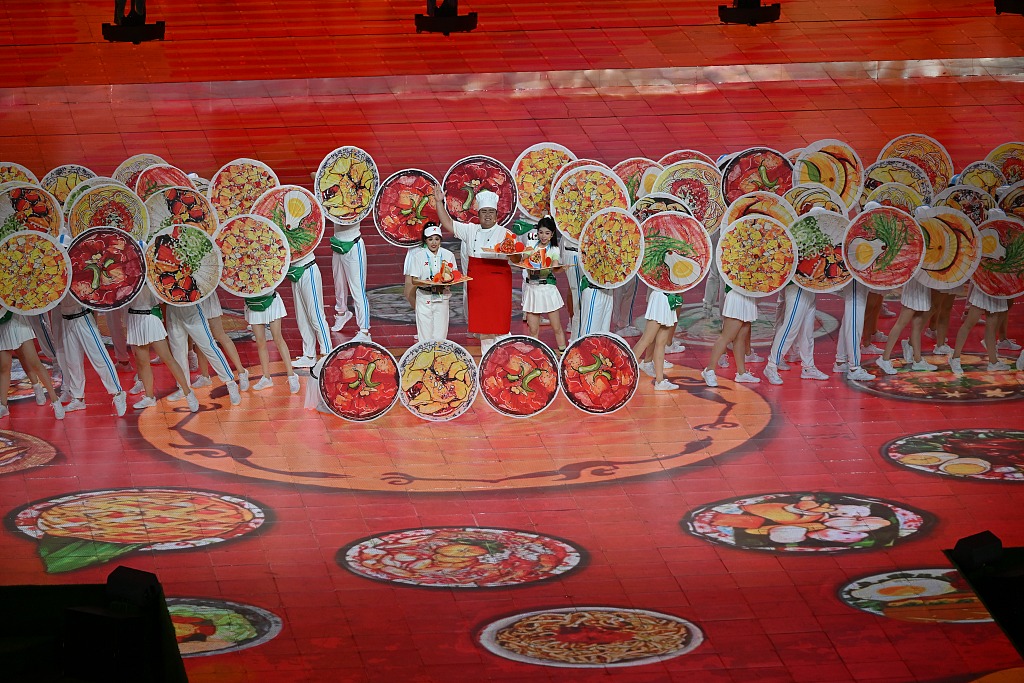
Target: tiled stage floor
609,81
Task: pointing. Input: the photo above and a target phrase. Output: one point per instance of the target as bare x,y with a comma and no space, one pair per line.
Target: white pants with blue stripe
82,340
595,311
188,321
308,296
855,296
350,269
623,299
794,324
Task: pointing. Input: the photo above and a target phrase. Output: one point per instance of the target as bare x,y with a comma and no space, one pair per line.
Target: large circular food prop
684,155
677,252
404,205
110,205
976,454
159,177
760,204
359,381
972,201
237,185
925,152
952,248
83,187
573,165
807,196
983,175
91,527
10,171
699,186
61,180
756,255
108,268
834,164
883,247
598,373
20,451
896,195
655,203
1012,201
820,266
534,171
36,272
1001,271
611,248
128,171
758,169
639,174
181,206
205,627
1009,159
930,596
472,175
581,193
28,207
254,255
438,380
519,376
591,637
183,265
345,183
803,522
894,170
295,211
460,557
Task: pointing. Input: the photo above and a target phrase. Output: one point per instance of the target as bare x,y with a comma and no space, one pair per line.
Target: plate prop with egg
756,255
677,252
952,248
297,213
884,247
1001,271
820,266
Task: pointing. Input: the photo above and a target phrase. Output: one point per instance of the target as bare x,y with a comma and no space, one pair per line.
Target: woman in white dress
260,312
145,333
430,304
738,312
16,336
661,325
540,293
915,302
980,303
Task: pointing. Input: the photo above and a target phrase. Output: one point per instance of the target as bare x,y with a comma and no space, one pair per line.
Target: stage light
132,27
750,12
443,17
1010,6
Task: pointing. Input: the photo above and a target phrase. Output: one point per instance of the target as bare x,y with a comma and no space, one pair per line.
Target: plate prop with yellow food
128,171
61,180
519,376
896,171
677,252
639,174
656,202
820,266
760,204
970,200
896,195
611,248
581,193
758,169
834,164
472,175
87,528
572,166
534,171
183,265
345,183
699,185
684,155
939,595
1011,202
1009,159
236,186
24,206
297,213
983,175
925,152
756,255
438,380
598,373
403,206
952,248
10,171
108,268
883,247
807,196
36,272
181,205
109,205
359,381
159,177
83,187
1001,271
254,255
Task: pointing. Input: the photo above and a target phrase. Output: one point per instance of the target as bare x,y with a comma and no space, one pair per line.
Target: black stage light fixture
443,17
1010,6
131,27
750,12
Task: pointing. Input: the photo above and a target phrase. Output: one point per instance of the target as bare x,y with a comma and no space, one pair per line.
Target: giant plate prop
699,186
896,195
519,376
181,206
11,171
820,265
884,247
952,248
183,265
1011,202
760,203
297,213
656,202
438,380
83,187
159,177
61,180
806,196
359,381
37,272
581,193
108,268
834,164
895,170
128,171
758,169
1009,159
472,175
254,255
968,199
684,155
924,151
403,206
111,205
24,206
598,373
983,175
639,174
534,170
677,252
237,185
611,248
756,255
345,183
1001,271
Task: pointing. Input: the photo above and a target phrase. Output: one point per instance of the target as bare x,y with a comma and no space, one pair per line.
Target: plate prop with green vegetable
1001,271
884,247
404,205
297,213
677,252
820,265
183,265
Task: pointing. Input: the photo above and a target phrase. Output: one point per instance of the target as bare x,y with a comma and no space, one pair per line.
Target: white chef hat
486,200
431,230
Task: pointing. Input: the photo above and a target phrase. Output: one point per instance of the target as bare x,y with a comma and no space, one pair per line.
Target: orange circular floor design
271,437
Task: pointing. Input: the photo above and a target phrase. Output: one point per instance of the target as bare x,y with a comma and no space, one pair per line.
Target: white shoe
137,388
40,393
120,403
923,365
193,361
956,366
675,347
999,366
233,393
243,380
840,367
192,401
263,383
293,383
908,351
58,410
202,382
361,336
144,402
723,362
4,411
783,365
340,321
859,374
629,331
303,362
268,332
753,358
944,350
886,312
930,333
665,385
75,404
177,395
871,350
710,378
811,372
647,368
65,395
1008,345
886,366
705,311
747,378
771,373
879,336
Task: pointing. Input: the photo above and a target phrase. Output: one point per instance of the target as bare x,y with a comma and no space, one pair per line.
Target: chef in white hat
430,263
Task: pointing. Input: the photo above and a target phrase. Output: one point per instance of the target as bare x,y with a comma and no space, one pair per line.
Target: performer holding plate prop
883,247
37,272
611,248
534,171
677,252
756,255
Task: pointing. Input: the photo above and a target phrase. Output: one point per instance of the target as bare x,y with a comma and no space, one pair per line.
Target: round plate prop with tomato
181,206
108,268
756,255
952,248
519,376
1001,271
24,206
254,254
359,381
534,171
83,187
599,373
183,265
924,151
296,212
438,380
677,252
581,193
699,186
237,185
820,266
36,272
611,248
159,177
756,169
472,175
404,205
884,247
128,171
110,205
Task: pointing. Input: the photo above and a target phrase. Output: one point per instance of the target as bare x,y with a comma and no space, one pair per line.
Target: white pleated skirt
541,298
14,333
144,329
739,307
989,304
916,296
658,309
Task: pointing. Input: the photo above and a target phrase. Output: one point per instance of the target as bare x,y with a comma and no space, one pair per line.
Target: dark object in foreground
750,12
443,17
1010,6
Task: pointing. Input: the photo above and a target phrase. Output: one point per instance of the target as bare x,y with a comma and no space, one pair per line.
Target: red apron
489,296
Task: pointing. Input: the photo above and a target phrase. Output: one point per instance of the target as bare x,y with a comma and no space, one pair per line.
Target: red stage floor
614,506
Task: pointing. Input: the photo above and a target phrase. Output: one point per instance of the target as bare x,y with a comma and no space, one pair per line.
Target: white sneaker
998,366
263,383
629,331
58,410
75,404
647,368
811,372
783,365
723,362
243,380
201,382
137,388
747,378
177,395
40,392
870,350
120,403
293,383
929,332
943,350
753,358
268,332
923,365
340,321
908,351
886,312
675,347
886,366
361,336
145,402
1008,345
303,362
879,336
192,401
665,365
710,378
193,361
233,393
859,374
956,366
840,367
665,385
771,373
